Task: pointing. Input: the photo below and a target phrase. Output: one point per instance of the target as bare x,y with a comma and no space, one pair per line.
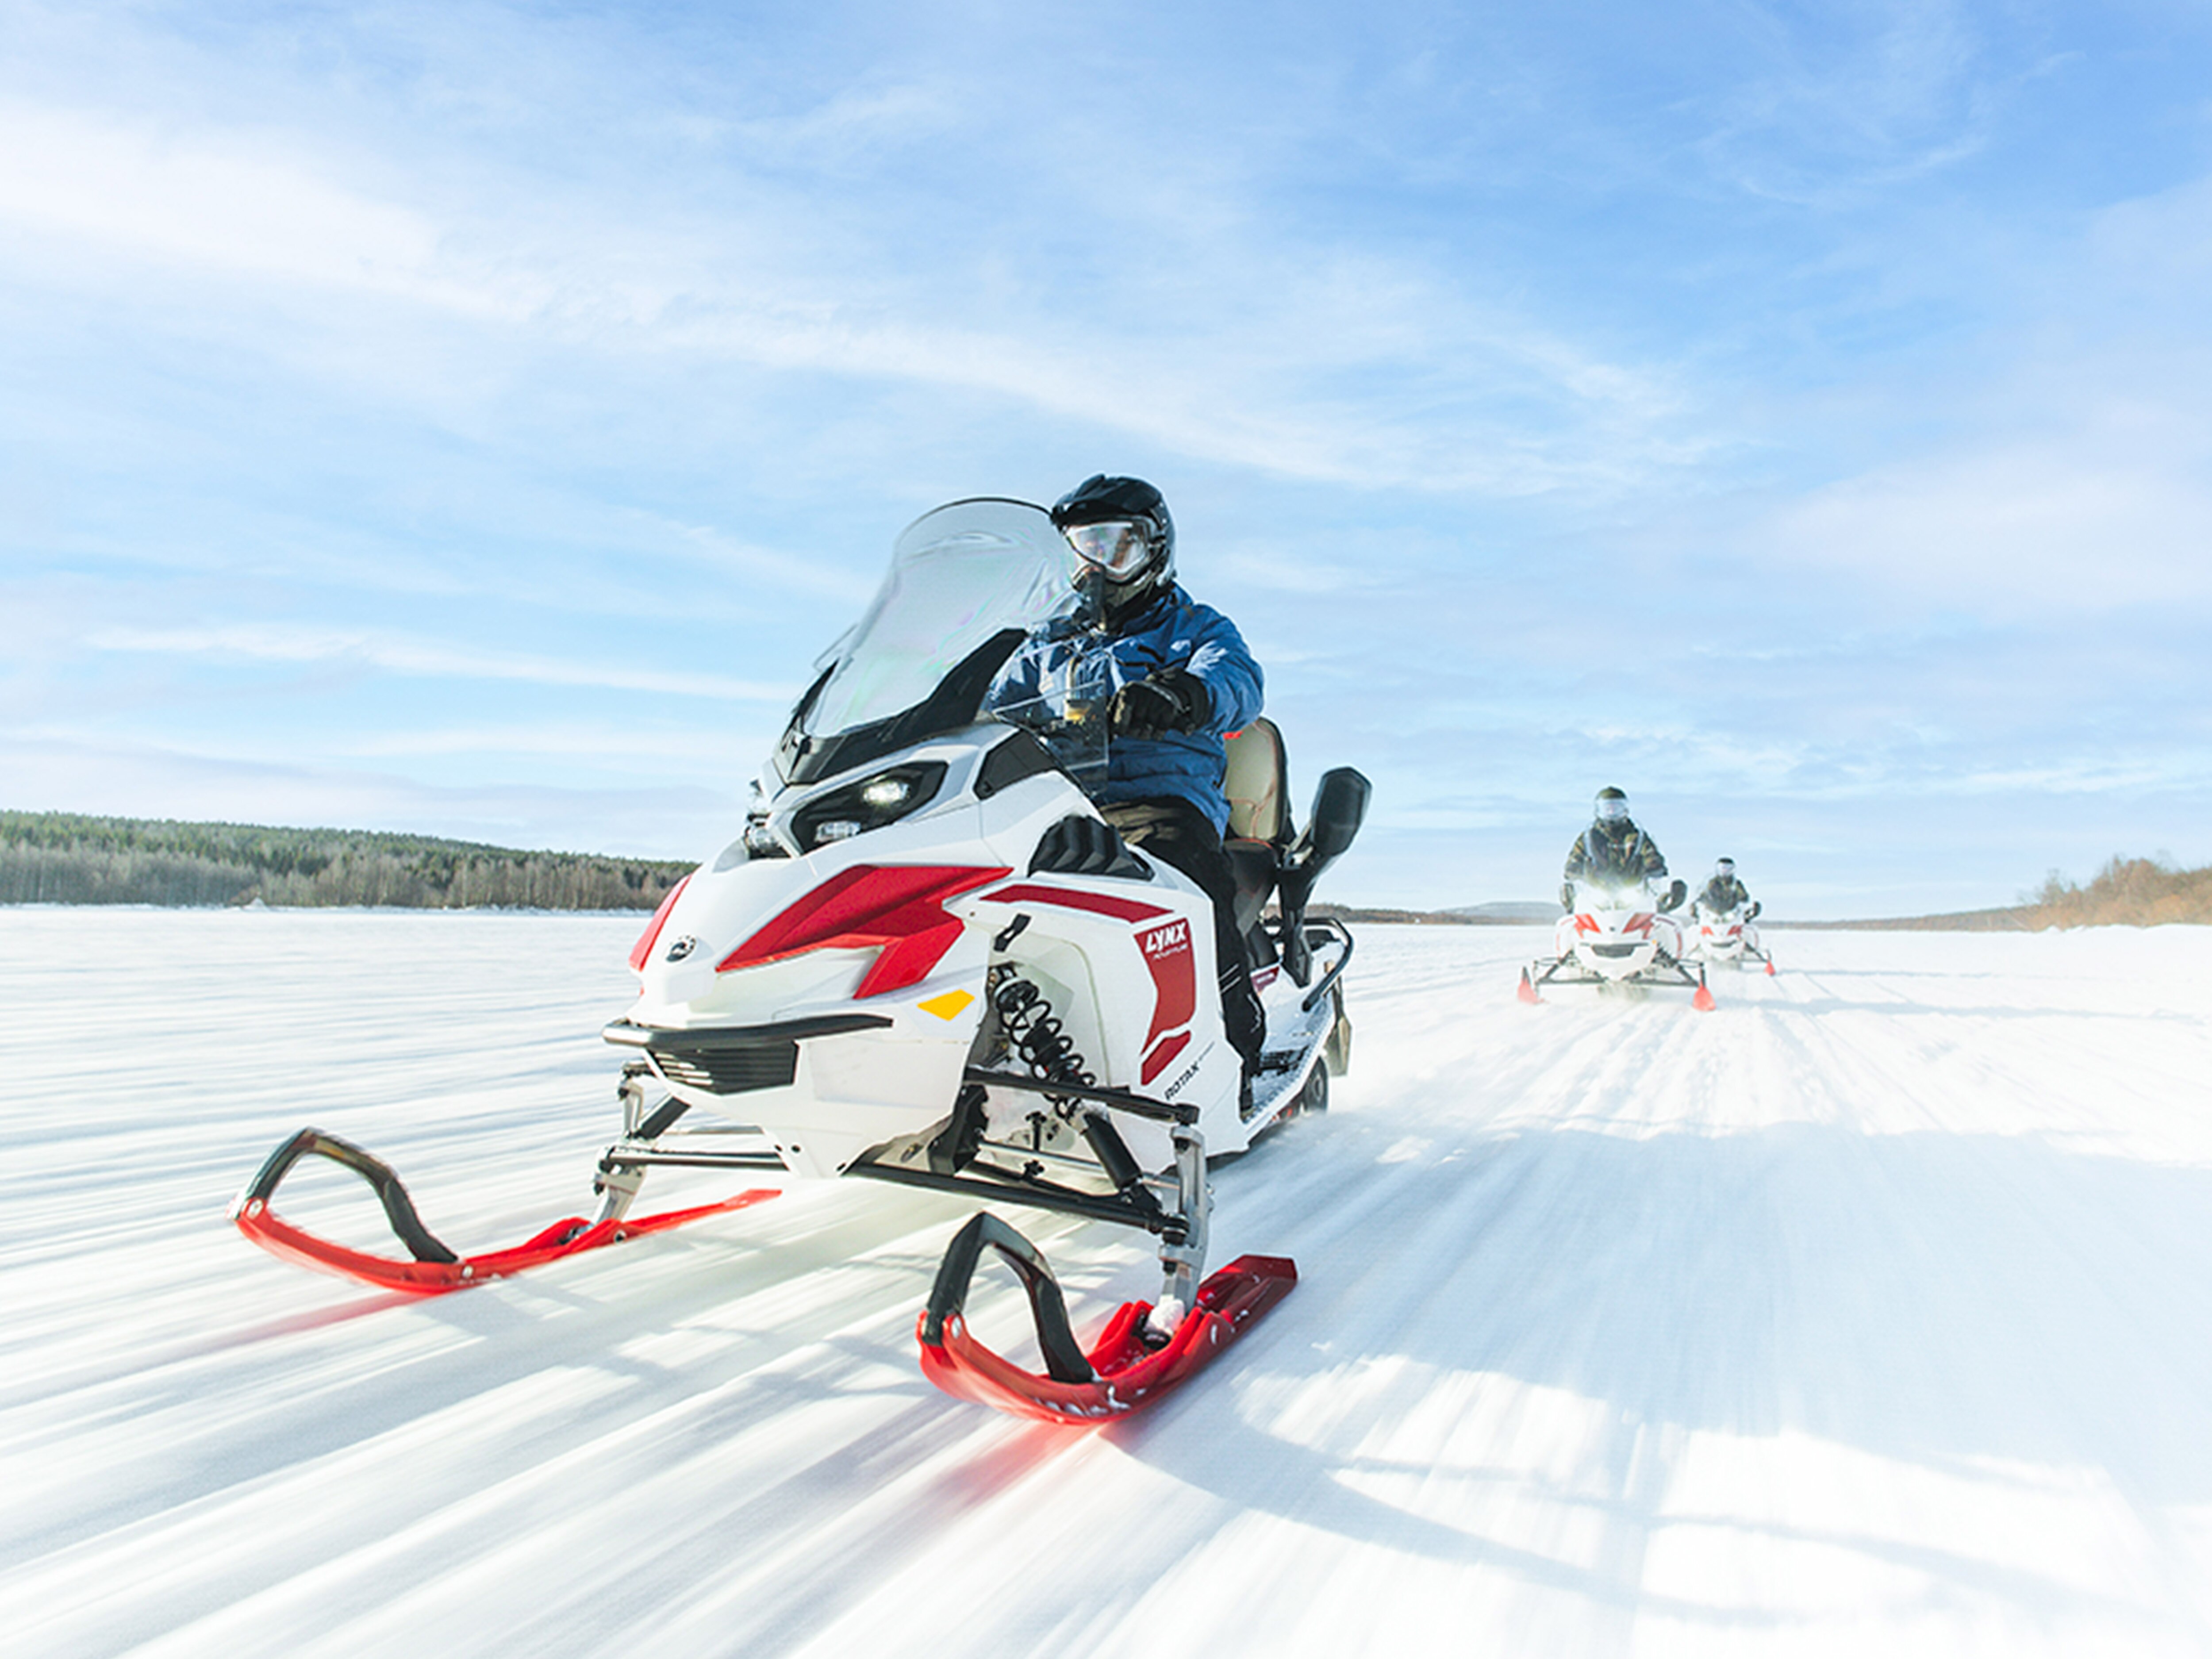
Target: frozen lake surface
1870,1314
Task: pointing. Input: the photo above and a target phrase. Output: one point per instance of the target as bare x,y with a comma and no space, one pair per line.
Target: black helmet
1612,805
1121,534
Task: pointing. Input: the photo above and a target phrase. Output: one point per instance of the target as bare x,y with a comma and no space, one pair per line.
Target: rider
1613,851
1724,893
1182,680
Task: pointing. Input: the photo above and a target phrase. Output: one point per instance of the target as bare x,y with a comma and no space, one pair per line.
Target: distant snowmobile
1725,939
1617,935
929,960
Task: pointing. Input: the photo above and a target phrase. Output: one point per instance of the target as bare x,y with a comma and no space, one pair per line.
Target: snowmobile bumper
1122,1372
434,1268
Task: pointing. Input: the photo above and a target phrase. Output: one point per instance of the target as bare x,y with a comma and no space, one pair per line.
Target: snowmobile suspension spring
1028,1020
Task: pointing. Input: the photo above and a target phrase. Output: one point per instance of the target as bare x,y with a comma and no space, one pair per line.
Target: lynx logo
1175,976
1161,940
682,948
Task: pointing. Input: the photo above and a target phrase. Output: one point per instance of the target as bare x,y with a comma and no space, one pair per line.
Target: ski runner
1182,681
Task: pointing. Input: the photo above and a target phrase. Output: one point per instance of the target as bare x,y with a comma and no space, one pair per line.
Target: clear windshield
958,576
1612,893
1061,697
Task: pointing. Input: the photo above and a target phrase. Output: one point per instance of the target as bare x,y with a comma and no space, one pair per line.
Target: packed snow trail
1872,1312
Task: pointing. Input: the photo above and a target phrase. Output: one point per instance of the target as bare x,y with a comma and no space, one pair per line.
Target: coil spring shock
1037,1034
1027,1021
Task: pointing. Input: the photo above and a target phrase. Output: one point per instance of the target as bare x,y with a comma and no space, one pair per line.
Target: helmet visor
1119,547
1612,809
1725,867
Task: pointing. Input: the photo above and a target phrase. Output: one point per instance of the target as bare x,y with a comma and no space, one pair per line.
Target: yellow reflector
948,1006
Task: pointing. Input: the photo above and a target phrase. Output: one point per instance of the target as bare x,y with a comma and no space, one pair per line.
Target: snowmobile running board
1123,1373
435,1268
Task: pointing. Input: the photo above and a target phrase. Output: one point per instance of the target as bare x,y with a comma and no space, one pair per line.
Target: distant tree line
64,858
2125,893
2136,892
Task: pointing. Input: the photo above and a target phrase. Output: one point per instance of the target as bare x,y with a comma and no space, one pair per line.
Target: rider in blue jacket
1182,679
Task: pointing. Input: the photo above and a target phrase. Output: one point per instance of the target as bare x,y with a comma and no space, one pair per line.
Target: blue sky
473,418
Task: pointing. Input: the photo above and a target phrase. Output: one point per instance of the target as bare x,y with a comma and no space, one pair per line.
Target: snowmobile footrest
1123,1371
435,1268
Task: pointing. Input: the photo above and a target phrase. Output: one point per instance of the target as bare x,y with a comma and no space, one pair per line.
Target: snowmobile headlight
873,802
886,792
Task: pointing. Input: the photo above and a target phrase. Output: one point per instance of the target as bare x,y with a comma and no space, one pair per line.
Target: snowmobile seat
1259,832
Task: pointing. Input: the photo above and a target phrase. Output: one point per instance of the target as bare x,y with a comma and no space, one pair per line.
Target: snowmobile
1617,935
1726,938
928,960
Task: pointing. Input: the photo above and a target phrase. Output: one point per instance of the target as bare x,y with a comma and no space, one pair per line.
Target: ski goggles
1612,810
1725,867
1119,547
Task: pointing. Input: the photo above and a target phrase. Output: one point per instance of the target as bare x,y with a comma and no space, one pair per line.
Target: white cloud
716,748
434,659
1321,364
2030,529
225,201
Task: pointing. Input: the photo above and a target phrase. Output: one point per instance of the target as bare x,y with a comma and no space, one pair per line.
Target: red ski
1121,1373
434,1268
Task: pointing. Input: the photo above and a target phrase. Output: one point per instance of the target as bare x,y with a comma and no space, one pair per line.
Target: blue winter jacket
1174,631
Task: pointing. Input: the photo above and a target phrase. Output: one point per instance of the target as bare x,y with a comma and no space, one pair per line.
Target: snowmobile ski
435,1268
1124,1371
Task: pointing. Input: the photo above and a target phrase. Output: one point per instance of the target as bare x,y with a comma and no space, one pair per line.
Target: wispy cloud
428,658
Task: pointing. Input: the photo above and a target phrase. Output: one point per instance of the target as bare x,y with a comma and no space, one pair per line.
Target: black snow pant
1178,833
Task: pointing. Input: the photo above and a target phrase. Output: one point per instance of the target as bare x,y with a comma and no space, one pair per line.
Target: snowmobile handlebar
398,1208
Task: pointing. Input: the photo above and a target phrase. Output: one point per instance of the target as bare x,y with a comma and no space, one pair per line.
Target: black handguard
1170,701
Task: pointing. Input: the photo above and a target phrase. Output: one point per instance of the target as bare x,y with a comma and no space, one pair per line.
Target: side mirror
1339,809
1340,806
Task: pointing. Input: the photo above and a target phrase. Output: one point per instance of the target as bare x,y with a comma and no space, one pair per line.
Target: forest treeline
2135,893
65,858
2126,892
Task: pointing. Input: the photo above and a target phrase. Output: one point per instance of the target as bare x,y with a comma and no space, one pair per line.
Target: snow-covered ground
1871,1314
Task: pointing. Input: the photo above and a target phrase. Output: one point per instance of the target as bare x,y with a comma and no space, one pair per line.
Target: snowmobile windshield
1623,893
1059,688
968,584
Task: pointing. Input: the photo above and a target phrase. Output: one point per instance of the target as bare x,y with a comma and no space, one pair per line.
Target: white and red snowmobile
1618,935
1725,938
928,960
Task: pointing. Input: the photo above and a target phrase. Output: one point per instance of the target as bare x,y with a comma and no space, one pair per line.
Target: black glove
1170,701
1566,895
1752,913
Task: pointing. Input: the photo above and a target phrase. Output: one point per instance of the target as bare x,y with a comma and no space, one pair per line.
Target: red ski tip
1528,991
1127,1373
1770,969
1703,999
